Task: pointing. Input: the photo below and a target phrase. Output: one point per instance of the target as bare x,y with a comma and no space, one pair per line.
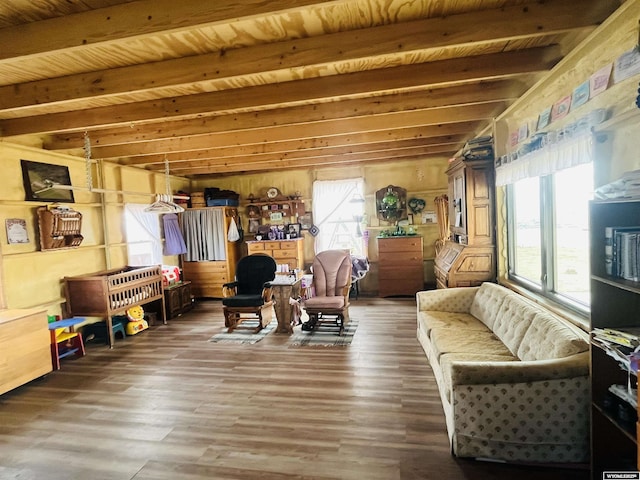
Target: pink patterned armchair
331,283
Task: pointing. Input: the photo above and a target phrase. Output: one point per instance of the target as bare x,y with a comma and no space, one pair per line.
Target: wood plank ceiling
223,87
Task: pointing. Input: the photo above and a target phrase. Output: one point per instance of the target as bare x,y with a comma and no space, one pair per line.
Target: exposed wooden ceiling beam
482,67
380,123
217,159
416,100
130,20
387,40
423,134
389,157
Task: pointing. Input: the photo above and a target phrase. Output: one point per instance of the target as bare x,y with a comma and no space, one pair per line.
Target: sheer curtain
333,213
204,235
144,244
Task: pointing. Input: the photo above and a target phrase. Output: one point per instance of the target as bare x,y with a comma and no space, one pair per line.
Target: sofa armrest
496,372
458,299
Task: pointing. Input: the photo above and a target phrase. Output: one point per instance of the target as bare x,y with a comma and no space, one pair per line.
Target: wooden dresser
400,265
285,252
25,345
468,258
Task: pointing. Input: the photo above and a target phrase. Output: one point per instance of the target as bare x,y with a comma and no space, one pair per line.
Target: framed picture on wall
306,220
41,179
254,224
294,230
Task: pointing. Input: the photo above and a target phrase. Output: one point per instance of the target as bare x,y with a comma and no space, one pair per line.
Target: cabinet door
185,297
173,301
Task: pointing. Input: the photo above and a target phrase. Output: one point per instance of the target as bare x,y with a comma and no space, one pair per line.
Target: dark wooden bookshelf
615,303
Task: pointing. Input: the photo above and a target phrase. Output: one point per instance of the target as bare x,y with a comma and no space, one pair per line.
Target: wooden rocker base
234,316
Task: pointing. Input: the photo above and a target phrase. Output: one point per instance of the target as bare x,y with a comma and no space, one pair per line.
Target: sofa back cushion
513,319
550,337
487,302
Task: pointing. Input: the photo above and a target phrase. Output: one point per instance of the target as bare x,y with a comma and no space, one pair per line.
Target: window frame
547,248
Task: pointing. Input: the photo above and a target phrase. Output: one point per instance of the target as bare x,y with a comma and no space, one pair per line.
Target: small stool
65,342
99,330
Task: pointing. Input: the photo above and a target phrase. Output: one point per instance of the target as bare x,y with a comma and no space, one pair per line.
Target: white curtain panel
328,197
547,160
144,243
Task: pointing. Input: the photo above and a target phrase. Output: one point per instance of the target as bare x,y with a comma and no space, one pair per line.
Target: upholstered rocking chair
250,297
331,284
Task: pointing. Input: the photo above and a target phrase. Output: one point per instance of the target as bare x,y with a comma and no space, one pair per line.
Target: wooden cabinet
207,277
615,303
461,266
471,197
468,258
285,252
177,299
25,345
400,266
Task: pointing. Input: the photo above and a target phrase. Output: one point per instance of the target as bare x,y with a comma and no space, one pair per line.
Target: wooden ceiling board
150,78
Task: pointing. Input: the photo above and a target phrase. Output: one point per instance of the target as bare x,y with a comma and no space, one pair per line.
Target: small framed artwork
306,221
254,224
294,230
41,179
16,230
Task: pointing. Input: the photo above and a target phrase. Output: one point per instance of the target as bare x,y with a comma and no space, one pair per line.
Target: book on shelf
621,245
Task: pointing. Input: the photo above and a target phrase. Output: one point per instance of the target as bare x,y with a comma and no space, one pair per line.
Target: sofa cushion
487,302
427,321
513,320
550,337
457,340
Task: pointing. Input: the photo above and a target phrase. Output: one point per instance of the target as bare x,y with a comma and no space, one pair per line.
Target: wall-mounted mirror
391,203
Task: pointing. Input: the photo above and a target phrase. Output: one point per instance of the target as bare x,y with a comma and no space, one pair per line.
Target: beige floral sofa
513,378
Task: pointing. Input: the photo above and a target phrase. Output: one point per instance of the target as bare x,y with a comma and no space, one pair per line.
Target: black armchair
250,296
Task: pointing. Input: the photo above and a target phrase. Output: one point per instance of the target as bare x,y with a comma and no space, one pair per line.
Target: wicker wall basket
59,228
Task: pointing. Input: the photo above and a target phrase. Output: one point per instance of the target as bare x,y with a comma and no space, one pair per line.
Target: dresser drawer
256,247
401,258
284,254
400,244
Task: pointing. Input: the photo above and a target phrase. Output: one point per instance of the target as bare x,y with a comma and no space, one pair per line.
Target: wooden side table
283,289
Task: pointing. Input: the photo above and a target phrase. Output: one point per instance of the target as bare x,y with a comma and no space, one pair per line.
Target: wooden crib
112,292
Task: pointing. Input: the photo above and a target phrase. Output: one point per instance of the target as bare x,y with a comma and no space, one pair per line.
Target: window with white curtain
144,243
548,195
338,210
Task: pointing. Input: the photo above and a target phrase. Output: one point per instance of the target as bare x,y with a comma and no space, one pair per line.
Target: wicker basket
197,200
59,228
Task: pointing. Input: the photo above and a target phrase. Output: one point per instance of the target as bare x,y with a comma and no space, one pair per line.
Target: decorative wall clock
272,192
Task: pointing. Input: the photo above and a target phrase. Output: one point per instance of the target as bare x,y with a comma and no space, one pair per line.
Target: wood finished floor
169,404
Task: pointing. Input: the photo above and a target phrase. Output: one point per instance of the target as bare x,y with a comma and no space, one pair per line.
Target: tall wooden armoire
469,257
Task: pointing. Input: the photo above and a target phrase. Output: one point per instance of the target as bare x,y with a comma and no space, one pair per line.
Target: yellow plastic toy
136,323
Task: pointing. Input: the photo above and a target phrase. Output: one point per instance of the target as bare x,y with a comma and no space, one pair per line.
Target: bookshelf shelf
627,432
615,303
628,285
